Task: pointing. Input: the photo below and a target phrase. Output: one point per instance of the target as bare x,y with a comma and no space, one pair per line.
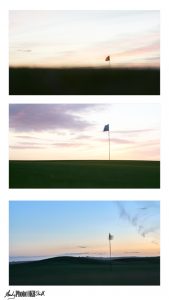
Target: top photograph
84,52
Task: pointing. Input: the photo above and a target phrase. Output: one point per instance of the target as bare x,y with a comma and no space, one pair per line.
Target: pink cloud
138,51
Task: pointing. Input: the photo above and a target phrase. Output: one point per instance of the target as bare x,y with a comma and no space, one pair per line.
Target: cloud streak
136,131
138,220
24,50
43,146
139,51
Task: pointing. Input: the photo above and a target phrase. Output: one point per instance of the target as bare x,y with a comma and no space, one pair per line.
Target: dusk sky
51,228
84,38
75,131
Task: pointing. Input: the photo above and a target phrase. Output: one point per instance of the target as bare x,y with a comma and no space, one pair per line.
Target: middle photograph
84,145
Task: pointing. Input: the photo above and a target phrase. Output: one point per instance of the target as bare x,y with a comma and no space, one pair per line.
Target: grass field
84,81
84,174
86,271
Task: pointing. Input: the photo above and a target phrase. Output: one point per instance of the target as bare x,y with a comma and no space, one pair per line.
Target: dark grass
84,174
86,271
84,81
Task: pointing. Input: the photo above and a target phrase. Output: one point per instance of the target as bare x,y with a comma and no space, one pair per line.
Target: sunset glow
75,131
81,228
84,38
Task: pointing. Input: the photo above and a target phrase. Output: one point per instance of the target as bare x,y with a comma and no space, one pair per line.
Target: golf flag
111,237
107,58
106,127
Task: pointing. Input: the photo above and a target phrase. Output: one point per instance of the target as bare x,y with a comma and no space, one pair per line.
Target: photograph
84,156
84,145
84,243
84,52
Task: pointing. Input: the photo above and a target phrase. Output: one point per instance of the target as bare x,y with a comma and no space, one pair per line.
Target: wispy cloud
139,51
155,242
132,252
145,231
75,253
27,146
43,146
77,126
144,208
24,50
30,137
138,220
121,141
136,131
68,144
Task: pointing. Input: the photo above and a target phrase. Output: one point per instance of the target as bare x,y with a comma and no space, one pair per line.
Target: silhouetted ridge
84,81
68,270
95,260
71,259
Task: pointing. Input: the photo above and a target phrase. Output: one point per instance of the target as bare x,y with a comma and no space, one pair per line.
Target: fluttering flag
111,237
107,58
106,127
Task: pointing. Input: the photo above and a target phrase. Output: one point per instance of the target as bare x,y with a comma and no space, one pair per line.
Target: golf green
84,174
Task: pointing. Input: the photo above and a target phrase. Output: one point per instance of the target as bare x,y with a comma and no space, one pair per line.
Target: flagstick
110,255
109,143
110,248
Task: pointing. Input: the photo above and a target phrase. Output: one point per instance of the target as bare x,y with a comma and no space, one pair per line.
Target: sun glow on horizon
75,131
81,228
84,38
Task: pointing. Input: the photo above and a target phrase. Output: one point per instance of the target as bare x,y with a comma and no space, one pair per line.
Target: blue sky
39,228
75,131
84,38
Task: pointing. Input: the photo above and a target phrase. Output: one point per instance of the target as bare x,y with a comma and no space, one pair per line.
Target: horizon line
115,67
83,160
46,257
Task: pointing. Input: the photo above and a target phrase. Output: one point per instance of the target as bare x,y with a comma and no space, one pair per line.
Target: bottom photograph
84,243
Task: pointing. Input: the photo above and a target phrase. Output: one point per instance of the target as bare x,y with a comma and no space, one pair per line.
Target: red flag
107,58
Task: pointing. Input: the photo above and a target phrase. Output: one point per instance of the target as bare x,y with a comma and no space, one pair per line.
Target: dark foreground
86,271
84,81
84,174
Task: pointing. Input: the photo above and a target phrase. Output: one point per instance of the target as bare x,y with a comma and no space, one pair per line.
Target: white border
74,293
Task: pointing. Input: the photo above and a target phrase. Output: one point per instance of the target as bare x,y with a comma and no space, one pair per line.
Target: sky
81,228
84,38
75,131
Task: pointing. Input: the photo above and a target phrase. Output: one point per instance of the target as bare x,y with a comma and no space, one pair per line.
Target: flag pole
110,247
106,128
108,59
109,143
111,237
